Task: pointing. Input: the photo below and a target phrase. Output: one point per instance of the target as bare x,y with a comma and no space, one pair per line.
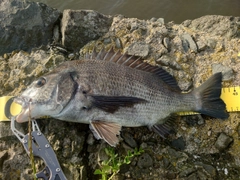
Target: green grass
109,168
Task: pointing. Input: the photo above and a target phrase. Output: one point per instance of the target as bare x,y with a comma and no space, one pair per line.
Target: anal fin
165,129
107,131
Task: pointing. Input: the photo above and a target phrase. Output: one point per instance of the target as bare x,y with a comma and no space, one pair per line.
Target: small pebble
178,144
145,161
128,138
90,139
118,43
71,56
143,145
223,141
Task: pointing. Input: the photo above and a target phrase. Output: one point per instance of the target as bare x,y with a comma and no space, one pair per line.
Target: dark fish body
109,90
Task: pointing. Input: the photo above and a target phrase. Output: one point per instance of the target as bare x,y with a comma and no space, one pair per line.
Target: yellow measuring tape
231,96
8,108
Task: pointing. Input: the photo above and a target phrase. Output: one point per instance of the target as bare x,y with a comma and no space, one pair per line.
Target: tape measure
230,95
8,108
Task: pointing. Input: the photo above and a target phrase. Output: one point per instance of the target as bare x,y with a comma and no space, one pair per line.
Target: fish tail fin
208,98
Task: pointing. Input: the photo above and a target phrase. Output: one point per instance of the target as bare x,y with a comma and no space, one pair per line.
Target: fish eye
40,82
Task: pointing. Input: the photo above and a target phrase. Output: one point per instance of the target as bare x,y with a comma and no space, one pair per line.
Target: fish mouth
26,104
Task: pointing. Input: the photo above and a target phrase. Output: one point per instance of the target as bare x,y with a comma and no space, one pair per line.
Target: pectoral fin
107,131
112,103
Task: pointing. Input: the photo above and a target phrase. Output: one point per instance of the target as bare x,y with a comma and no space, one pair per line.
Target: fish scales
109,90
113,80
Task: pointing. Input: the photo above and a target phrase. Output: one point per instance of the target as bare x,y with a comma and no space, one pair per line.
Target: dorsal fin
134,62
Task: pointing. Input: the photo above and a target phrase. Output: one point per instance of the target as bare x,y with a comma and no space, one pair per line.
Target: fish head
47,96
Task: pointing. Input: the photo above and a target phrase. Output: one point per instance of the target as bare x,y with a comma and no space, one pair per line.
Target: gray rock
144,145
210,171
118,43
187,172
192,177
90,139
138,49
22,68
128,138
211,43
160,20
190,42
81,26
16,164
179,143
226,71
223,141
227,26
25,25
201,45
5,130
145,161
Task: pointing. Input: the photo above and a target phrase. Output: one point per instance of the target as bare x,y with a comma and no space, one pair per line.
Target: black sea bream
109,90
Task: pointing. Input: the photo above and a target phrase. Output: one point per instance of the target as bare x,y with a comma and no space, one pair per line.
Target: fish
108,90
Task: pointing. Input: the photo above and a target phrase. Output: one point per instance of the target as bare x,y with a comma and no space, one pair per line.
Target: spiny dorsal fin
134,62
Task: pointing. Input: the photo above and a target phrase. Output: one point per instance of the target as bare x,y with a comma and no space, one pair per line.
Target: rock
13,168
211,43
226,71
214,25
178,144
210,171
170,175
78,27
5,131
201,45
90,139
223,141
128,138
25,25
190,43
145,161
138,49
165,60
192,177
144,145
160,20
187,172
22,68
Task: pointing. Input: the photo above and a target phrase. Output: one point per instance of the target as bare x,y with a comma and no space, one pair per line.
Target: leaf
105,162
107,169
127,160
98,171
